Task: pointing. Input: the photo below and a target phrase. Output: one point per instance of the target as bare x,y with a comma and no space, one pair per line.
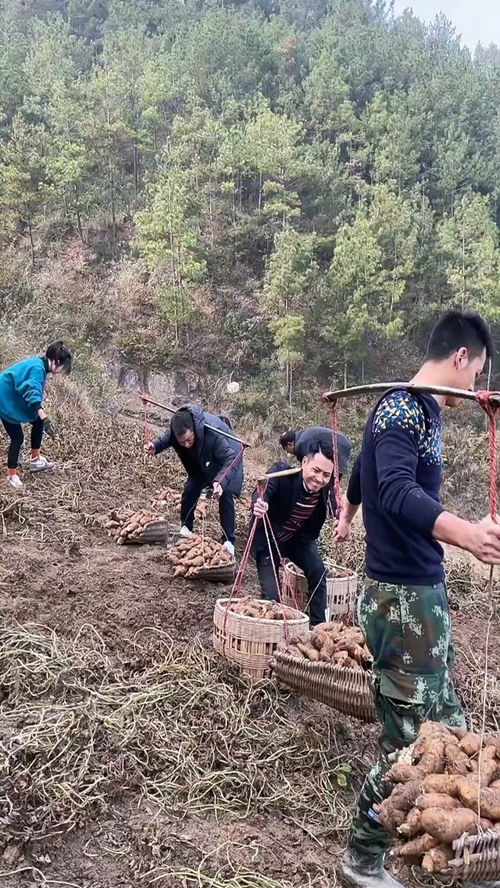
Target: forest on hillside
284,192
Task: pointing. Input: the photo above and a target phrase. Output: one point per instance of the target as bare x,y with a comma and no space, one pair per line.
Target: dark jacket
211,455
282,495
306,438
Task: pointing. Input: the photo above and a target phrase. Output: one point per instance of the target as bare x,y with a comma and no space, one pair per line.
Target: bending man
297,506
403,608
209,459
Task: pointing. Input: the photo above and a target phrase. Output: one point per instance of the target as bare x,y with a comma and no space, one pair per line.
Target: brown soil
59,569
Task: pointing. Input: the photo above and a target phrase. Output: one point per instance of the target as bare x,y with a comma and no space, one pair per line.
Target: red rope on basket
491,410
147,436
347,618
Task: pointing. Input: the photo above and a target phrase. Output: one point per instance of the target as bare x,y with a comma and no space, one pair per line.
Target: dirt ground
59,570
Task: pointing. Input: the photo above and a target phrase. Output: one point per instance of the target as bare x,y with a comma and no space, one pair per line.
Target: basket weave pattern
340,591
248,642
154,532
348,690
477,857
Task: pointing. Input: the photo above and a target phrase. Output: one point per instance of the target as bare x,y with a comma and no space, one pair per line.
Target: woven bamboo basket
340,591
348,690
219,573
248,642
154,532
477,857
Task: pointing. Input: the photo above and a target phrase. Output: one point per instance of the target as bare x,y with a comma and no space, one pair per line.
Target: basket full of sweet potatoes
444,808
332,664
139,527
198,557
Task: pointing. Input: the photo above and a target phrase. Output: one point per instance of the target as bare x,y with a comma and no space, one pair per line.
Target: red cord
335,449
491,411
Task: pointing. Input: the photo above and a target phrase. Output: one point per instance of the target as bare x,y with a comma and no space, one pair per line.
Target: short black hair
287,438
315,447
460,329
182,422
61,355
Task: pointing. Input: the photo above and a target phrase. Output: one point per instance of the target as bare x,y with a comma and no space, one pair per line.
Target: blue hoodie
22,389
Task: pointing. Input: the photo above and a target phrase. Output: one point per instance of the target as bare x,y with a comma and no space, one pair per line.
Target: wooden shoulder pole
147,400
381,387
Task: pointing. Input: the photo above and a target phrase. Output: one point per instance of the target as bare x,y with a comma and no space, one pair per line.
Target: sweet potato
436,800
446,826
457,761
402,773
489,799
442,783
417,847
471,744
326,651
437,859
309,651
412,825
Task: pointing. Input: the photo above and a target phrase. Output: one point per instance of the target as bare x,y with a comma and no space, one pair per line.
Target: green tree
470,256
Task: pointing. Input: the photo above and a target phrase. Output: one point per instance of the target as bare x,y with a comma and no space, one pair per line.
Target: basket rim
283,656
301,618
291,567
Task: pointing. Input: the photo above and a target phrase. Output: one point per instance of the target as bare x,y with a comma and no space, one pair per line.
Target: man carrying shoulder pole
403,609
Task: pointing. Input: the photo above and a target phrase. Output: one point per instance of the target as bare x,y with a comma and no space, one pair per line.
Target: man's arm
223,454
162,442
396,456
350,504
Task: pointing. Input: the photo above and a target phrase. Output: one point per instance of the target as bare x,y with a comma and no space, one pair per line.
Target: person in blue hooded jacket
22,391
210,459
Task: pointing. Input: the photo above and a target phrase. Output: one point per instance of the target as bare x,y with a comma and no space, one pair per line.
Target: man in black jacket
297,506
300,441
209,458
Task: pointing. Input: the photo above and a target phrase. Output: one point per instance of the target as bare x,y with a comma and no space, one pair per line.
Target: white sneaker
15,482
229,548
40,464
185,532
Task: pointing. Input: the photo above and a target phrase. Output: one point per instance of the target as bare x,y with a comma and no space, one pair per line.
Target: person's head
59,358
287,441
317,468
461,343
183,428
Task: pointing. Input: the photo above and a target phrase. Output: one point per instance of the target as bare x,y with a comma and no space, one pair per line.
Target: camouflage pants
408,631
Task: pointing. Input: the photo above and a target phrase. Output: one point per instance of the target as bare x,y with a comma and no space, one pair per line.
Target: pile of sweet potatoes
167,497
194,554
330,643
127,525
261,609
449,786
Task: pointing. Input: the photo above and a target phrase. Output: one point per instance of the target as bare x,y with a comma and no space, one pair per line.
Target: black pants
190,496
305,554
15,433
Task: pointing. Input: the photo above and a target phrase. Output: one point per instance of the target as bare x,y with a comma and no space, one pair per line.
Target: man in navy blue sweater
403,608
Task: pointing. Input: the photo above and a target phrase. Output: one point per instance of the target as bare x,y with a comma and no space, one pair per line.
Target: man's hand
485,542
49,427
149,448
343,530
481,540
217,489
260,508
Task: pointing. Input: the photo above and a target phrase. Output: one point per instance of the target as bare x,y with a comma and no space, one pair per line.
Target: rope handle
348,618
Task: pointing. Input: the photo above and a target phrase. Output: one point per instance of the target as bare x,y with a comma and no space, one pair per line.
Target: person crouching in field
297,506
209,458
22,390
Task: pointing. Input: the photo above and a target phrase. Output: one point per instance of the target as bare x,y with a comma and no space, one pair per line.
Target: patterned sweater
397,477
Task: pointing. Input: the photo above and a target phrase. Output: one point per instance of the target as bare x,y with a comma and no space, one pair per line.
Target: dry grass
80,730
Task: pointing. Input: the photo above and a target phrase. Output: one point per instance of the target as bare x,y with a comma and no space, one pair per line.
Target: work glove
49,427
